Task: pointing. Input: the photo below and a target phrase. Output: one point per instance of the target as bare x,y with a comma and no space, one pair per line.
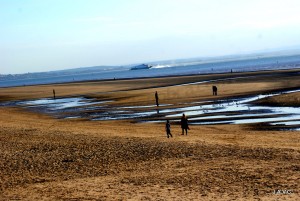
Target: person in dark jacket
168,129
156,98
184,124
215,90
54,94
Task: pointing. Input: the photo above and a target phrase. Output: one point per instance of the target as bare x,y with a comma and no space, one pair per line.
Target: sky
46,35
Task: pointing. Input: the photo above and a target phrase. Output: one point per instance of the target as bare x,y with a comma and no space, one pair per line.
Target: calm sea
282,62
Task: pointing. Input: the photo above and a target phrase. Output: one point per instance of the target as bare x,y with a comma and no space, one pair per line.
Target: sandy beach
46,158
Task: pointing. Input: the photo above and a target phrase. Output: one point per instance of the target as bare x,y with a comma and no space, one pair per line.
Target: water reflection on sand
238,110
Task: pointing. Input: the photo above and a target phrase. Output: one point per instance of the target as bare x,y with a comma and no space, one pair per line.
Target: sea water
272,63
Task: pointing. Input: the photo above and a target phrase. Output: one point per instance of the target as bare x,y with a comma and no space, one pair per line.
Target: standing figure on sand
54,94
215,90
156,98
184,124
168,129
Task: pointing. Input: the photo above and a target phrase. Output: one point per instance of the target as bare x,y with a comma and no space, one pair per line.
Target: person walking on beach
215,90
54,94
168,129
184,124
156,98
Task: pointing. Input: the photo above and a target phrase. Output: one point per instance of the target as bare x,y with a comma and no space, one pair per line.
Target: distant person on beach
54,94
184,124
215,90
156,98
168,129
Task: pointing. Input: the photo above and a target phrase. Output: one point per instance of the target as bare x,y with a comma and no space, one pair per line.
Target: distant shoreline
157,71
153,77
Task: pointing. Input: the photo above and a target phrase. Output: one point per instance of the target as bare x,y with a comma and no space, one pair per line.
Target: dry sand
43,158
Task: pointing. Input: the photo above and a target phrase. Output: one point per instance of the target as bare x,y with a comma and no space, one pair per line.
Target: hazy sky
44,35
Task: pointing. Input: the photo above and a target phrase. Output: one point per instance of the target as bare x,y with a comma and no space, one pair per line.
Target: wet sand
292,100
43,158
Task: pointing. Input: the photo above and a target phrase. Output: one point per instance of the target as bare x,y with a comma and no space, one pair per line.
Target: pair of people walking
184,126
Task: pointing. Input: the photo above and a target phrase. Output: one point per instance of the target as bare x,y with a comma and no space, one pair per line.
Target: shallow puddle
62,107
225,111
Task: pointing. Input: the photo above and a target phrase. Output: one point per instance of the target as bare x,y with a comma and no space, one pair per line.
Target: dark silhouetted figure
184,124
54,94
215,90
156,98
168,129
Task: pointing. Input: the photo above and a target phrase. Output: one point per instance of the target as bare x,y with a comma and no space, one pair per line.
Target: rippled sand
43,158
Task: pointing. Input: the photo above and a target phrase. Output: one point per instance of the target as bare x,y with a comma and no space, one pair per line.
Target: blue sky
44,35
